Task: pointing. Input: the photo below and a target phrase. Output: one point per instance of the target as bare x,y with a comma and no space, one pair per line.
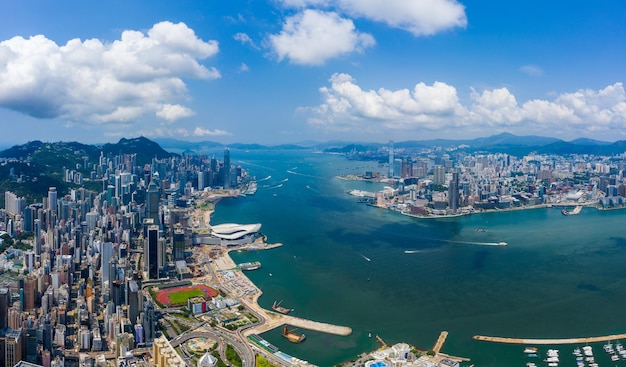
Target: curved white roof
207,360
233,231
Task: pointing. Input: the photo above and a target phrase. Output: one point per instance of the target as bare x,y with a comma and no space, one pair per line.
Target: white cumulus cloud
425,106
437,107
312,37
200,131
173,112
420,17
245,39
98,82
532,70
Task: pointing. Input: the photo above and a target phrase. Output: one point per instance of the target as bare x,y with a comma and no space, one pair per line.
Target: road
241,347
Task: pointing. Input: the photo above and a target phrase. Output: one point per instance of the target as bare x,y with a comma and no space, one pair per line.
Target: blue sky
286,71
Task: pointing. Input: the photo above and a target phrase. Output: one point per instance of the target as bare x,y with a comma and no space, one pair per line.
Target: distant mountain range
147,149
202,146
499,142
503,143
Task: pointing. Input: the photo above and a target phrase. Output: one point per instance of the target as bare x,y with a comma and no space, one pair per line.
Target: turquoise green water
558,277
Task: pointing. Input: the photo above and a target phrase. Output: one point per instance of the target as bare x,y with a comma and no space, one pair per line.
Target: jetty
593,339
440,341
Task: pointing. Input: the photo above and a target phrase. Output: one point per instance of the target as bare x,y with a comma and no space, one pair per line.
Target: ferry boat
254,265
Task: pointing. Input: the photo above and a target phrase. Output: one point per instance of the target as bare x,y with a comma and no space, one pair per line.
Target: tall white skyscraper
391,159
52,199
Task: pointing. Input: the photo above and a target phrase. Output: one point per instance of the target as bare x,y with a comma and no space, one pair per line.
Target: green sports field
181,297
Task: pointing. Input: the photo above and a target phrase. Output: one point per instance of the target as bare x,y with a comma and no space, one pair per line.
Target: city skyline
287,71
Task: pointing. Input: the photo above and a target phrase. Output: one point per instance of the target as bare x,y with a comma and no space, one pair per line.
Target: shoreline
488,211
272,319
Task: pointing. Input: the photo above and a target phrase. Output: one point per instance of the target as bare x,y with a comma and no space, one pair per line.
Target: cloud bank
347,107
323,29
419,17
100,82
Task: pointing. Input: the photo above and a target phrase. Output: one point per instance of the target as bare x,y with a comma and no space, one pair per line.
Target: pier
440,341
593,339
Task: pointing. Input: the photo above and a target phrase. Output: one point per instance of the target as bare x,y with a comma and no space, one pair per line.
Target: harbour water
560,276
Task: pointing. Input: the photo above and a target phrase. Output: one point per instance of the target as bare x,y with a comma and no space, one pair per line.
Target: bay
559,276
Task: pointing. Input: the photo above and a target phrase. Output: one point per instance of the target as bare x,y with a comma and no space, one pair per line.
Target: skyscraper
13,347
439,175
148,321
52,199
30,290
179,244
133,293
37,235
152,199
151,244
226,173
453,191
391,159
4,308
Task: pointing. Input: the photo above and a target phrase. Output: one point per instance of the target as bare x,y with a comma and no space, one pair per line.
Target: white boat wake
480,243
365,257
302,174
265,179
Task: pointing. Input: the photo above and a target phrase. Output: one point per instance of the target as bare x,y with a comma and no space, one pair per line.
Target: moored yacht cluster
584,356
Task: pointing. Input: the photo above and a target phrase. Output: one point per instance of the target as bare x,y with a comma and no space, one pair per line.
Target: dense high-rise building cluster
79,293
450,181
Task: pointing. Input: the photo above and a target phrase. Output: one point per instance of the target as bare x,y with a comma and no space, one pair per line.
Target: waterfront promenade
593,339
250,296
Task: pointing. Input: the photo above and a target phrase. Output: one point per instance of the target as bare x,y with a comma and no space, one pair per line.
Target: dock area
593,339
274,320
249,294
